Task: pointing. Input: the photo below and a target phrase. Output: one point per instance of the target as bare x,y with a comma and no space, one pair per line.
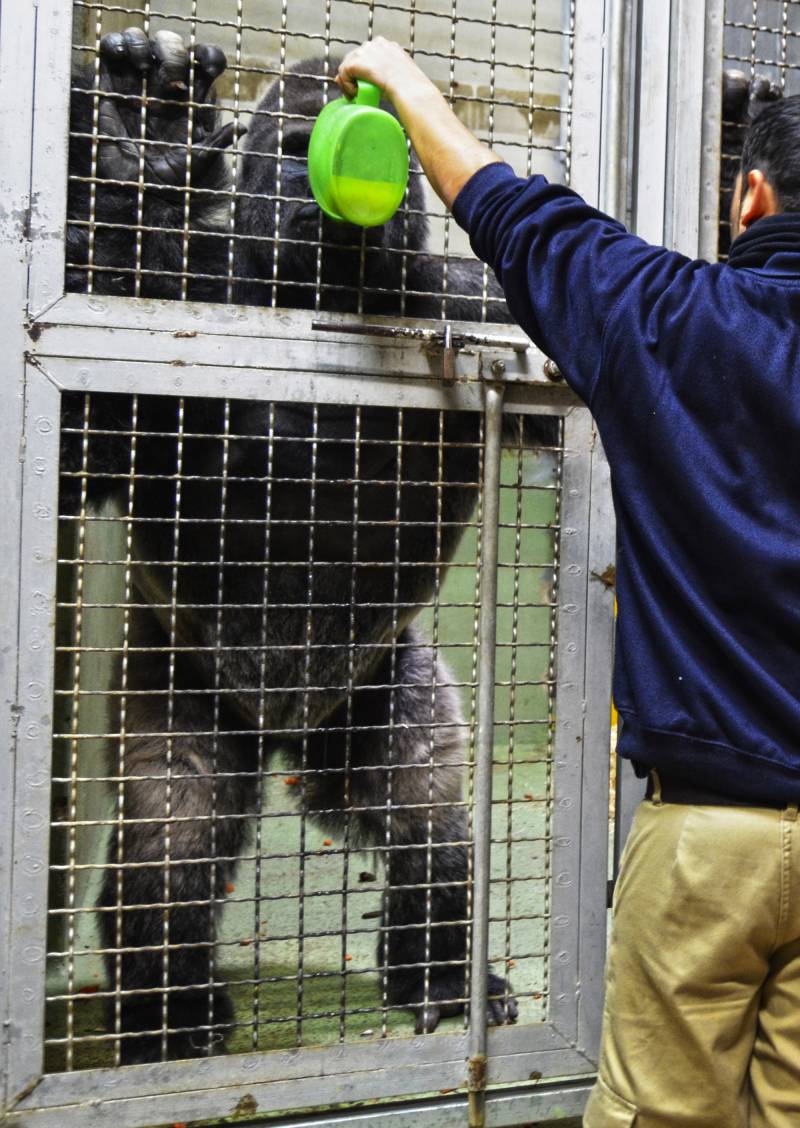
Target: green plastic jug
358,160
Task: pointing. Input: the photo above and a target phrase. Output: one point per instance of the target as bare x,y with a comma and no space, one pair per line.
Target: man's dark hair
772,144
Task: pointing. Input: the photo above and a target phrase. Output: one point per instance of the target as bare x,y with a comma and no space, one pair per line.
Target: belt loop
791,812
656,797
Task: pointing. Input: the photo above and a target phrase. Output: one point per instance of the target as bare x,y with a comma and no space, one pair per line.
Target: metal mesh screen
265,699
761,39
182,186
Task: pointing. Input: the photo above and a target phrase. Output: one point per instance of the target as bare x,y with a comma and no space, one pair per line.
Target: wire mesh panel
262,788
248,616
763,37
190,182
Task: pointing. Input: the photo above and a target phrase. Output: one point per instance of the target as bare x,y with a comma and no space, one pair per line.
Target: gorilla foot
445,998
190,1032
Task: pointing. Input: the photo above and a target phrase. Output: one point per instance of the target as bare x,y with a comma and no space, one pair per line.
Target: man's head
769,178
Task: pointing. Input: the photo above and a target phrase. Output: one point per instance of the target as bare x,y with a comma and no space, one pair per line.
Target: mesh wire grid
761,39
240,227
242,662
232,727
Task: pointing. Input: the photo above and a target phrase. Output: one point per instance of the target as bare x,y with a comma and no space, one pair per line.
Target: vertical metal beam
484,752
600,588
17,43
571,833
617,108
653,111
711,159
691,70
31,795
586,91
677,168
49,155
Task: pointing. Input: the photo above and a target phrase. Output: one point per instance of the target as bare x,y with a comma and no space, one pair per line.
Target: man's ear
759,198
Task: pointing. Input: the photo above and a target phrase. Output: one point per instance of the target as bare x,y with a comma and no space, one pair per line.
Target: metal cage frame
56,342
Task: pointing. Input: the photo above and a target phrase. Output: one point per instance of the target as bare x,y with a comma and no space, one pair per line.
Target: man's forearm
448,152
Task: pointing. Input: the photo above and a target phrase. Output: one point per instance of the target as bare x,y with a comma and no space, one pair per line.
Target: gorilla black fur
263,647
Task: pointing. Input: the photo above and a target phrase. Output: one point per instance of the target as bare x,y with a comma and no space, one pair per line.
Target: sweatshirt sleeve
564,266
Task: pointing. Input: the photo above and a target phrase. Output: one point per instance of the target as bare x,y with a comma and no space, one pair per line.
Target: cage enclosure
310,589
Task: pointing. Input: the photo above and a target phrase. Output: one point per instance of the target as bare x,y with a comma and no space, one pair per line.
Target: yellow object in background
614,717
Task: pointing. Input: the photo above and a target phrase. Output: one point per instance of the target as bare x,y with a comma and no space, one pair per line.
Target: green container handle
367,94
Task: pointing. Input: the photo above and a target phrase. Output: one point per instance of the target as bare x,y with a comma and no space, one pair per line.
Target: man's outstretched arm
566,269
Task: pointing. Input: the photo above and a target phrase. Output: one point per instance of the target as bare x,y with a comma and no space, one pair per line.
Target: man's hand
387,65
448,152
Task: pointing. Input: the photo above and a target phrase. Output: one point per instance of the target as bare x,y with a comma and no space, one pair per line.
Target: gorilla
280,552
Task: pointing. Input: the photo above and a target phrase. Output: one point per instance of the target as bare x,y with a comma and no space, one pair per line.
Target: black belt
681,791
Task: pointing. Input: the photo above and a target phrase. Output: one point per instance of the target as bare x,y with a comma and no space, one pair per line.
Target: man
692,372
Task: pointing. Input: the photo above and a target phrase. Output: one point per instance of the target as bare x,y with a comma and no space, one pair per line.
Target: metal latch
448,339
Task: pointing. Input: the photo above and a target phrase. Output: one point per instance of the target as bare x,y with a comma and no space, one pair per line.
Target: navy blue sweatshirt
692,372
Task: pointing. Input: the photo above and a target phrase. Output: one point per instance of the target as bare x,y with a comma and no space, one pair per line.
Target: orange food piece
230,887
290,781
89,989
348,958
327,842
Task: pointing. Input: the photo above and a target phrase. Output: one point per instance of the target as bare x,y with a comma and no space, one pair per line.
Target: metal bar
617,110
652,97
586,88
513,1050
569,836
410,355
711,160
17,42
185,321
49,155
207,1096
600,587
444,337
286,385
32,786
484,751
687,133
504,1110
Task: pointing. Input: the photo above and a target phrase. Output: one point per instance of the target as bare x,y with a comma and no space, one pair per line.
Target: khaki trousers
701,1026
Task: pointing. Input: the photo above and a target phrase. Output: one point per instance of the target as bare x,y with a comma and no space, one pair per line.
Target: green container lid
358,160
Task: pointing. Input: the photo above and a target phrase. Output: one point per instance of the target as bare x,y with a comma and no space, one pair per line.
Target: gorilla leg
181,830
396,761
